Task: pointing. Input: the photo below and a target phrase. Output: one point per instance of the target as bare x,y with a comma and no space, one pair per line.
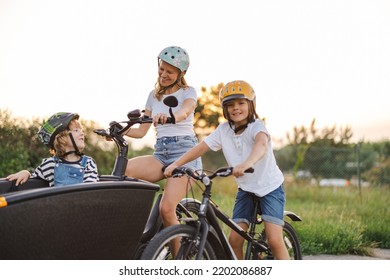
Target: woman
173,140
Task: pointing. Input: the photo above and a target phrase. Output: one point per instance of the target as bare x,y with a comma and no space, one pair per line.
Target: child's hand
20,177
239,169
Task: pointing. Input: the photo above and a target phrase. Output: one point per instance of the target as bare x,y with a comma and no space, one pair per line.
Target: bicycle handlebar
220,172
116,129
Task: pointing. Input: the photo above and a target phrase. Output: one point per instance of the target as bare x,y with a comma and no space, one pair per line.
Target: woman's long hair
160,91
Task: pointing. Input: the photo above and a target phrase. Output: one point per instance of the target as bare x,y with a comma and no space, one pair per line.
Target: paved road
377,254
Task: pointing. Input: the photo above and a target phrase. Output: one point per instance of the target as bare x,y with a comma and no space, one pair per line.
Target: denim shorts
271,206
169,149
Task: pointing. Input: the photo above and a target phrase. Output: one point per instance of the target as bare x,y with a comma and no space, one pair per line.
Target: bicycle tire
191,211
291,236
192,207
291,241
159,249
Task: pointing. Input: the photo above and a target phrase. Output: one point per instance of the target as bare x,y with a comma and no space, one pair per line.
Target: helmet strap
76,151
72,152
241,127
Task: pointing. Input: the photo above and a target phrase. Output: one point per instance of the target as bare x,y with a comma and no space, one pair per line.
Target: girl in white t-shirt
173,140
246,143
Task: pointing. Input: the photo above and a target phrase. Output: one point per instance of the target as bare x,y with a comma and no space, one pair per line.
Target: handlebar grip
101,132
170,120
180,171
249,170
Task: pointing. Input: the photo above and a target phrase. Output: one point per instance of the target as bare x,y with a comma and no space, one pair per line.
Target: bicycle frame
209,215
209,218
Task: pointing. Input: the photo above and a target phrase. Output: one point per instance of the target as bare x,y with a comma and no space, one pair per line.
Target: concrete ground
376,254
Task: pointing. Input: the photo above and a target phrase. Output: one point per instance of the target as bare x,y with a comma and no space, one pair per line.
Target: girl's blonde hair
61,139
160,91
59,144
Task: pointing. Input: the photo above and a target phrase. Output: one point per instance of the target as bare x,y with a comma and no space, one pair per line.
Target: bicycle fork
203,227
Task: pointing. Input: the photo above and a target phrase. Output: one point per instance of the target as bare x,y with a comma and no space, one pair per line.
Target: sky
327,60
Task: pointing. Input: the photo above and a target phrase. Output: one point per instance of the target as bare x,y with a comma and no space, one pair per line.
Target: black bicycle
187,208
204,236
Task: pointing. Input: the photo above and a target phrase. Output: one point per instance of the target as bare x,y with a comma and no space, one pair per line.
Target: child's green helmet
175,56
54,125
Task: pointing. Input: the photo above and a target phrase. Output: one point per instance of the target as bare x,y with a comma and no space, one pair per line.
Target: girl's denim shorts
271,206
169,149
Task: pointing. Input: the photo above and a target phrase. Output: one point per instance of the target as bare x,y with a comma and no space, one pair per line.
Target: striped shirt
45,171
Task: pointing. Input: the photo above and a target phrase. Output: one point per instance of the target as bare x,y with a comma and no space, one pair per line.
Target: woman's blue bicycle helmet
175,56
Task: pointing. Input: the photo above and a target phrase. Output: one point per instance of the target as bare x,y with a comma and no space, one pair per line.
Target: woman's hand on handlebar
160,119
168,170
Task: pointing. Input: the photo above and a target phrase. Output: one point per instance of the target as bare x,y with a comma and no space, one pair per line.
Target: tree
20,147
379,175
208,113
376,162
324,153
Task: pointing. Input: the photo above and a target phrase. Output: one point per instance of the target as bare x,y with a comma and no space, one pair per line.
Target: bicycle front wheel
159,247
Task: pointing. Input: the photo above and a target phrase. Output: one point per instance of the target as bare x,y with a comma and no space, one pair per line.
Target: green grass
334,220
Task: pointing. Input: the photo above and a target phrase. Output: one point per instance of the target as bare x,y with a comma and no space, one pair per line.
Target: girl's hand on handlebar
168,171
240,169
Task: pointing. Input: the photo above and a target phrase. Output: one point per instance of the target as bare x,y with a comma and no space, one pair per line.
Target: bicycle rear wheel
159,247
291,241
